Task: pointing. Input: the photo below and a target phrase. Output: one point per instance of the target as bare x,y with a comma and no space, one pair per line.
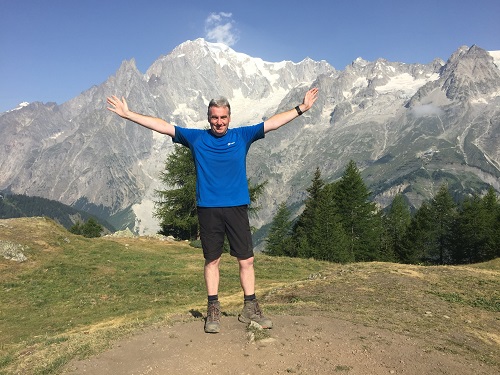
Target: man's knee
212,263
246,263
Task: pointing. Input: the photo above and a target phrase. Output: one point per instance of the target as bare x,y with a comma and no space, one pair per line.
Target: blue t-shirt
221,173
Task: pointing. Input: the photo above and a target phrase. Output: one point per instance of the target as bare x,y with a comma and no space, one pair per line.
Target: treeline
340,224
18,205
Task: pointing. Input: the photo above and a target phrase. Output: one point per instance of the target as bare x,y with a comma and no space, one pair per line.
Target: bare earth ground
306,344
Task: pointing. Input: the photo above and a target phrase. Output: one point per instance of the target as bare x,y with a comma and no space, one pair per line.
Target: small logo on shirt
231,143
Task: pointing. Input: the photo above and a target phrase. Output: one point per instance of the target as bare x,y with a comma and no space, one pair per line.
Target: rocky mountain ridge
409,127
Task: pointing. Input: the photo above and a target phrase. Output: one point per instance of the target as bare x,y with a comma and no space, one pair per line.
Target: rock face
12,251
409,127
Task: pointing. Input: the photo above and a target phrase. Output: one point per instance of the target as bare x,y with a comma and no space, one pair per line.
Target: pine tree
444,212
476,232
302,230
418,237
491,206
429,236
358,215
176,208
90,229
76,228
255,191
328,240
470,235
278,239
396,223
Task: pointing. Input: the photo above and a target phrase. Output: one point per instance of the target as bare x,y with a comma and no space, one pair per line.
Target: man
221,192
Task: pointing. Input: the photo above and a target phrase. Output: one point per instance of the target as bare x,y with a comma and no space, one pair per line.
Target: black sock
250,297
213,298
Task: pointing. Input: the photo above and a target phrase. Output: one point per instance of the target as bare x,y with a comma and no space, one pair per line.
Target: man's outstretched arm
120,107
280,119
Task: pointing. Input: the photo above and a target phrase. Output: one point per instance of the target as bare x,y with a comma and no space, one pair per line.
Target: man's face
219,120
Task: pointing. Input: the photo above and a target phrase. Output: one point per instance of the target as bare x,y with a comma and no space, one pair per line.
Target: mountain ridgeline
18,205
409,128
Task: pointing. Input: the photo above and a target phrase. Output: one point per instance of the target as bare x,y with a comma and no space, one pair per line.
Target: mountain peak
19,106
469,73
128,65
195,46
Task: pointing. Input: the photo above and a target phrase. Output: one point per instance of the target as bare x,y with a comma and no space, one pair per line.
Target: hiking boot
212,323
252,313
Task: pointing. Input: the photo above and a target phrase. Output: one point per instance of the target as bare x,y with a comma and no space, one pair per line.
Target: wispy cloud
427,110
219,27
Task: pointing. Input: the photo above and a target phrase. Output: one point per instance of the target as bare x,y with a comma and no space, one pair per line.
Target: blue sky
53,50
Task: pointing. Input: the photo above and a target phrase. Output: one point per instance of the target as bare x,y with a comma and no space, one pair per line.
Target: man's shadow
196,314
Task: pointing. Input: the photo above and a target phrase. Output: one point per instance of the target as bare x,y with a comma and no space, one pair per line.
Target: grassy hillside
73,296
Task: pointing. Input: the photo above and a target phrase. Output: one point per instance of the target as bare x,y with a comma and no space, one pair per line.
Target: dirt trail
297,345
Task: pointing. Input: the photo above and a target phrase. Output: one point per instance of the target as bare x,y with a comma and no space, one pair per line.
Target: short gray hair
219,103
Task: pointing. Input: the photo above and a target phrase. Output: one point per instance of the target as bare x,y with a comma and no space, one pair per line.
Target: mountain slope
16,206
409,127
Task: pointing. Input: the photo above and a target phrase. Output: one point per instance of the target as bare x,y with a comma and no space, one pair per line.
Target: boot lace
213,313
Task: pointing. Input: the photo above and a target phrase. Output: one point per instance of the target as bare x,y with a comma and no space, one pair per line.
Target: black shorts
215,222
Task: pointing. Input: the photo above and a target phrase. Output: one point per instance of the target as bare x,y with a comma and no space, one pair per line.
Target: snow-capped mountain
409,127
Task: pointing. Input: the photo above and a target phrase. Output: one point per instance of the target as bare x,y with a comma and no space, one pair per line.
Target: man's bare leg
211,271
251,309
247,276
